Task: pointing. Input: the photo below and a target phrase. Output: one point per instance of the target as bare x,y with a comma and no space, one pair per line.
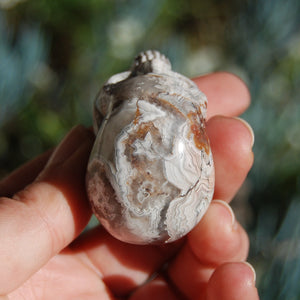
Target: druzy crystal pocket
150,175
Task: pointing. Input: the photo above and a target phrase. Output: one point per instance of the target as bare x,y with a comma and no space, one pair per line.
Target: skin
44,209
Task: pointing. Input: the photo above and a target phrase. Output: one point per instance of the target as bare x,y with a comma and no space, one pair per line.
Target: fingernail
247,125
74,139
252,269
229,210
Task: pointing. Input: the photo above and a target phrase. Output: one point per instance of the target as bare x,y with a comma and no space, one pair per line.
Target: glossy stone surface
150,176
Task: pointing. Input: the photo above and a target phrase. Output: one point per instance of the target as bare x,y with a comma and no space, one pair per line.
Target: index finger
227,94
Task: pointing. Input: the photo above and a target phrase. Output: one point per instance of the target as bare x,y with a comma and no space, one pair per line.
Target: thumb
47,215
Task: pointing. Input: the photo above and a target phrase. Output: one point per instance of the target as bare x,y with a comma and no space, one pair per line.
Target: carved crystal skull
150,175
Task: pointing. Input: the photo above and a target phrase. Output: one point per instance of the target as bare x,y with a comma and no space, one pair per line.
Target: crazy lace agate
150,175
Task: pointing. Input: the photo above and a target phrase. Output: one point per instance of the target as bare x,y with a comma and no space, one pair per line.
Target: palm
54,210
82,278
64,277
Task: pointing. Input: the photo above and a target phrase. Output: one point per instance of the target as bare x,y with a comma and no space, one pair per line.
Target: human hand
42,257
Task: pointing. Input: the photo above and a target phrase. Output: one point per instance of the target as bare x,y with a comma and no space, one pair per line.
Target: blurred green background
55,54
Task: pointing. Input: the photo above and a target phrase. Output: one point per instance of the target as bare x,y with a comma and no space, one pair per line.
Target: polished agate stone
150,176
